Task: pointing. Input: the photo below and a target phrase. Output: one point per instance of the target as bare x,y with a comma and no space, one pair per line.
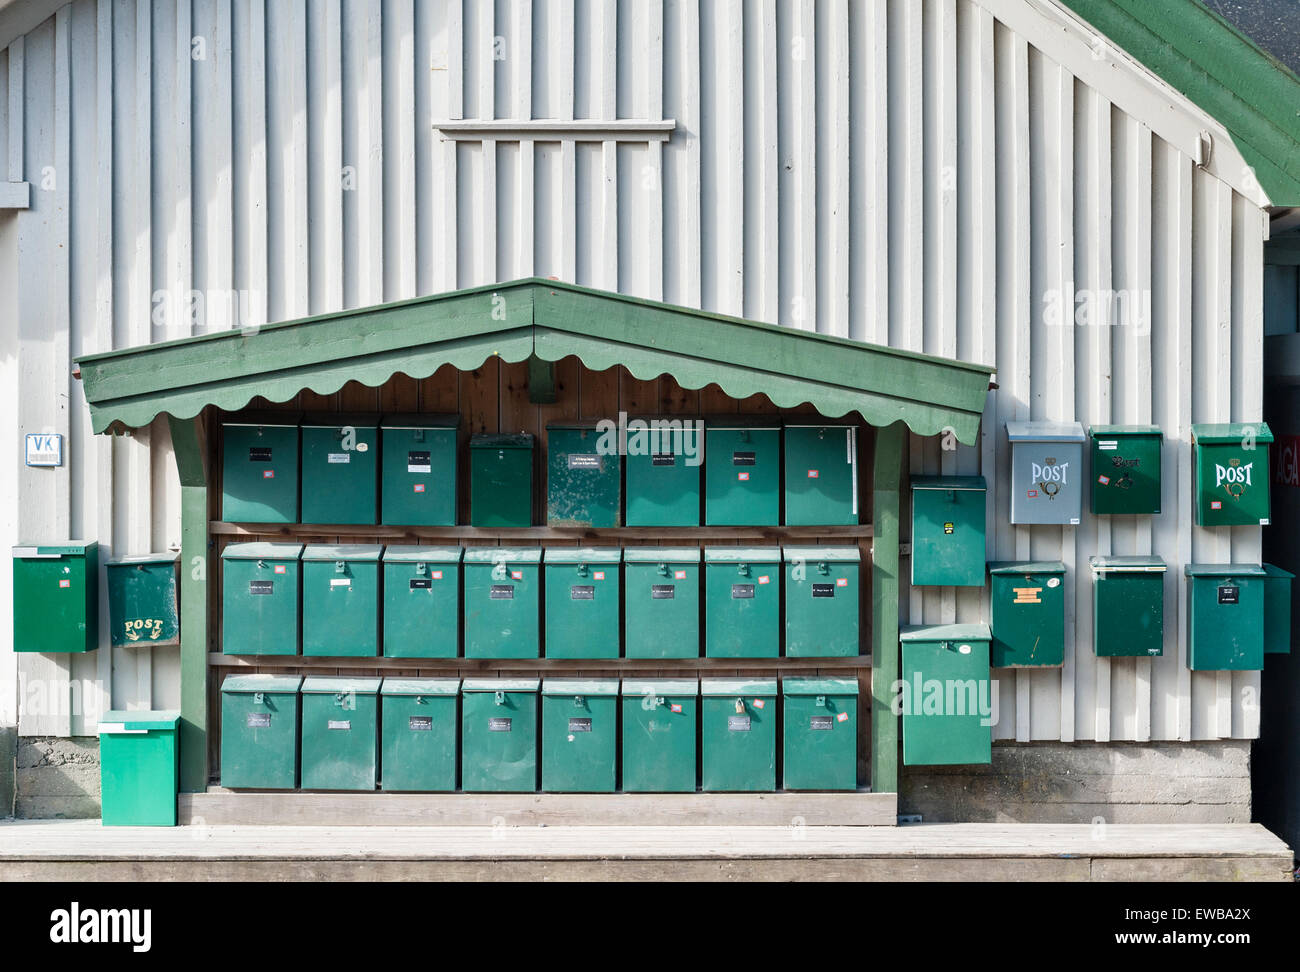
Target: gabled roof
529,317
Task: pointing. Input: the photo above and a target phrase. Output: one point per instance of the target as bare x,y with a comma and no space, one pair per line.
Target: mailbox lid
662,555
420,686
1045,432
1224,570
122,720
329,685
165,557
518,440
352,552
72,548
819,686
499,685
950,483
415,554
332,420
1277,572
741,423
240,684
944,632
840,555
714,687
262,551
598,687
503,555
265,420
660,686
417,420
742,555
1027,567
1127,565
1230,433
583,555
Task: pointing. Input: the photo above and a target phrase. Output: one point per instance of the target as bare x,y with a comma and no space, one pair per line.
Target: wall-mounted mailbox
1232,478
821,601
579,735
1028,604
502,602
821,467
738,734
340,599
259,469
56,597
820,750
659,717
419,470
742,471
584,485
340,469
340,733
1277,610
742,602
664,462
142,606
259,731
421,601
501,480
946,666
661,597
1125,477
498,731
260,597
419,732
1128,606
948,530
583,586
1225,610
1046,472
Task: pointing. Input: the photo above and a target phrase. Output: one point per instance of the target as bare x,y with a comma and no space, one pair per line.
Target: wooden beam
190,445
887,485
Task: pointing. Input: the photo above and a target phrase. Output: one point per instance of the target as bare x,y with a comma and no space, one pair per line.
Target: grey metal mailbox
1047,480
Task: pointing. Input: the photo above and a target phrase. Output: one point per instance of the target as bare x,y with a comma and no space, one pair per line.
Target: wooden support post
887,478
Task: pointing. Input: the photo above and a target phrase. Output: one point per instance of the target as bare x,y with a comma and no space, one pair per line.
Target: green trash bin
260,597
659,736
498,735
948,531
821,601
582,601
139,768
665,456
661,602
1225,613
419,732
579,735
1277,610
947,695
1128,606
421,601
340,733
742,471
821,474
259,731
742,602
1232,478
820,740
738,734
259,468
1125,469
502,603
1028,605
584,486
340,599
340,469
501,480
142,605
56,597
418,470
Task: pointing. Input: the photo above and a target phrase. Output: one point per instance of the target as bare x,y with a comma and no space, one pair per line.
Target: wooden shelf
543,665
664,534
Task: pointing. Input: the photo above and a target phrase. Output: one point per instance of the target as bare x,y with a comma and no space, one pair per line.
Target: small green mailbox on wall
1125,469
1232,474
142,607
948,530
1225,612
1028,604
340,469
56,597
1128,612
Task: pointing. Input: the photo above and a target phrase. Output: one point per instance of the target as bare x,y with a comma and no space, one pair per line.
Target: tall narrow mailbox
259,731
1277,610
340,733
1125,477
738,733
821,474
579,735
1232,478
583,585
659,737
419,732
948,530
1225,610
419,470
664,458
742,471
661,598
501,480
947,695
502,602
340,599
1046,472
820,750
56,597
1028,604
421,601
498,735
742,602
583,483
261,597
340,469
1128,598
259,468
821,601
142,606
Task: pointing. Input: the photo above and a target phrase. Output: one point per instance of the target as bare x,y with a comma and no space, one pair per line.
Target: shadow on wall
56,777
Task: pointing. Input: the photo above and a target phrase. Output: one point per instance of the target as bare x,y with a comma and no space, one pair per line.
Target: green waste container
421,601
139,768
419,732
821,474
665,455
661,602
1277,610
502,604
584,485
738,733
499,735
1125,469
501,480
947,695
260,587
1232,479
56,597
1225,612
821,601
259,732
340,732
340,469
1028,603
948,531
820,739
1128,606
582,601
142,607
742,471
579,735
259,468
742,602
659,737
418,470
340,599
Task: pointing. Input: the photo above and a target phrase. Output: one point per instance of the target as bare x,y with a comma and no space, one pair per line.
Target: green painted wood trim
541,381
887,477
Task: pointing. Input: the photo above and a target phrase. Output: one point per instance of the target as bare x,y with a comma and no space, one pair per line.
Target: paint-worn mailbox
1028,604
142,606
583,482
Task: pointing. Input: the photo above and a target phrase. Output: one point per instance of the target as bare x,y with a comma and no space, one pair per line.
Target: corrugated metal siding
912,172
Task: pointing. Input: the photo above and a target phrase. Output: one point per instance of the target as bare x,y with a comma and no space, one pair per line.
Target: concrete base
57,777
1116,783
8,756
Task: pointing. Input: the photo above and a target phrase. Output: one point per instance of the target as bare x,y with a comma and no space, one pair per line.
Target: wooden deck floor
81,850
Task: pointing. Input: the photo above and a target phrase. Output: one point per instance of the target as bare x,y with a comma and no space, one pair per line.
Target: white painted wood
15,195
581,129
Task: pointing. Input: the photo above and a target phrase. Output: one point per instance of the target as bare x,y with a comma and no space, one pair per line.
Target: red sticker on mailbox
65,583
743,477
278,568
679,575
764,579
842,717
812,473
437,575
675,707
1216,505
841,582
517,574
268,473
1104,480
419,487
1033,493
759,703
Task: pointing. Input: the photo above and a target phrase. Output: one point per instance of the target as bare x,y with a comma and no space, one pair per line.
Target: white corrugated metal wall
924,173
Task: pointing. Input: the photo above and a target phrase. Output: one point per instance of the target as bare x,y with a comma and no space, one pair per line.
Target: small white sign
44,449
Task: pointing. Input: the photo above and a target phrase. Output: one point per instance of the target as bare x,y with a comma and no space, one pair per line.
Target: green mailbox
340,733
742,602
259,732
418,471
583,585
56,597
947,700
260,587
1225,613
821,601
139,768
419,730
659,736
259,468
421,601
742,471
1028,607
579,735
738,734
1277,610
1128,606
340,469
664,458
501,480
340,599
821,474
820,741
584,486
498,732
1232,477
948,531
1125,469
661,602
502,602
142,606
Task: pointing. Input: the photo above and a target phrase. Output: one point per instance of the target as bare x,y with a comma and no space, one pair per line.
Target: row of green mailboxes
279,599
403,470
325,733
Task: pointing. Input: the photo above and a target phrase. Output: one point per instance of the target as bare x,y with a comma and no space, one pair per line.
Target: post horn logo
1050,489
